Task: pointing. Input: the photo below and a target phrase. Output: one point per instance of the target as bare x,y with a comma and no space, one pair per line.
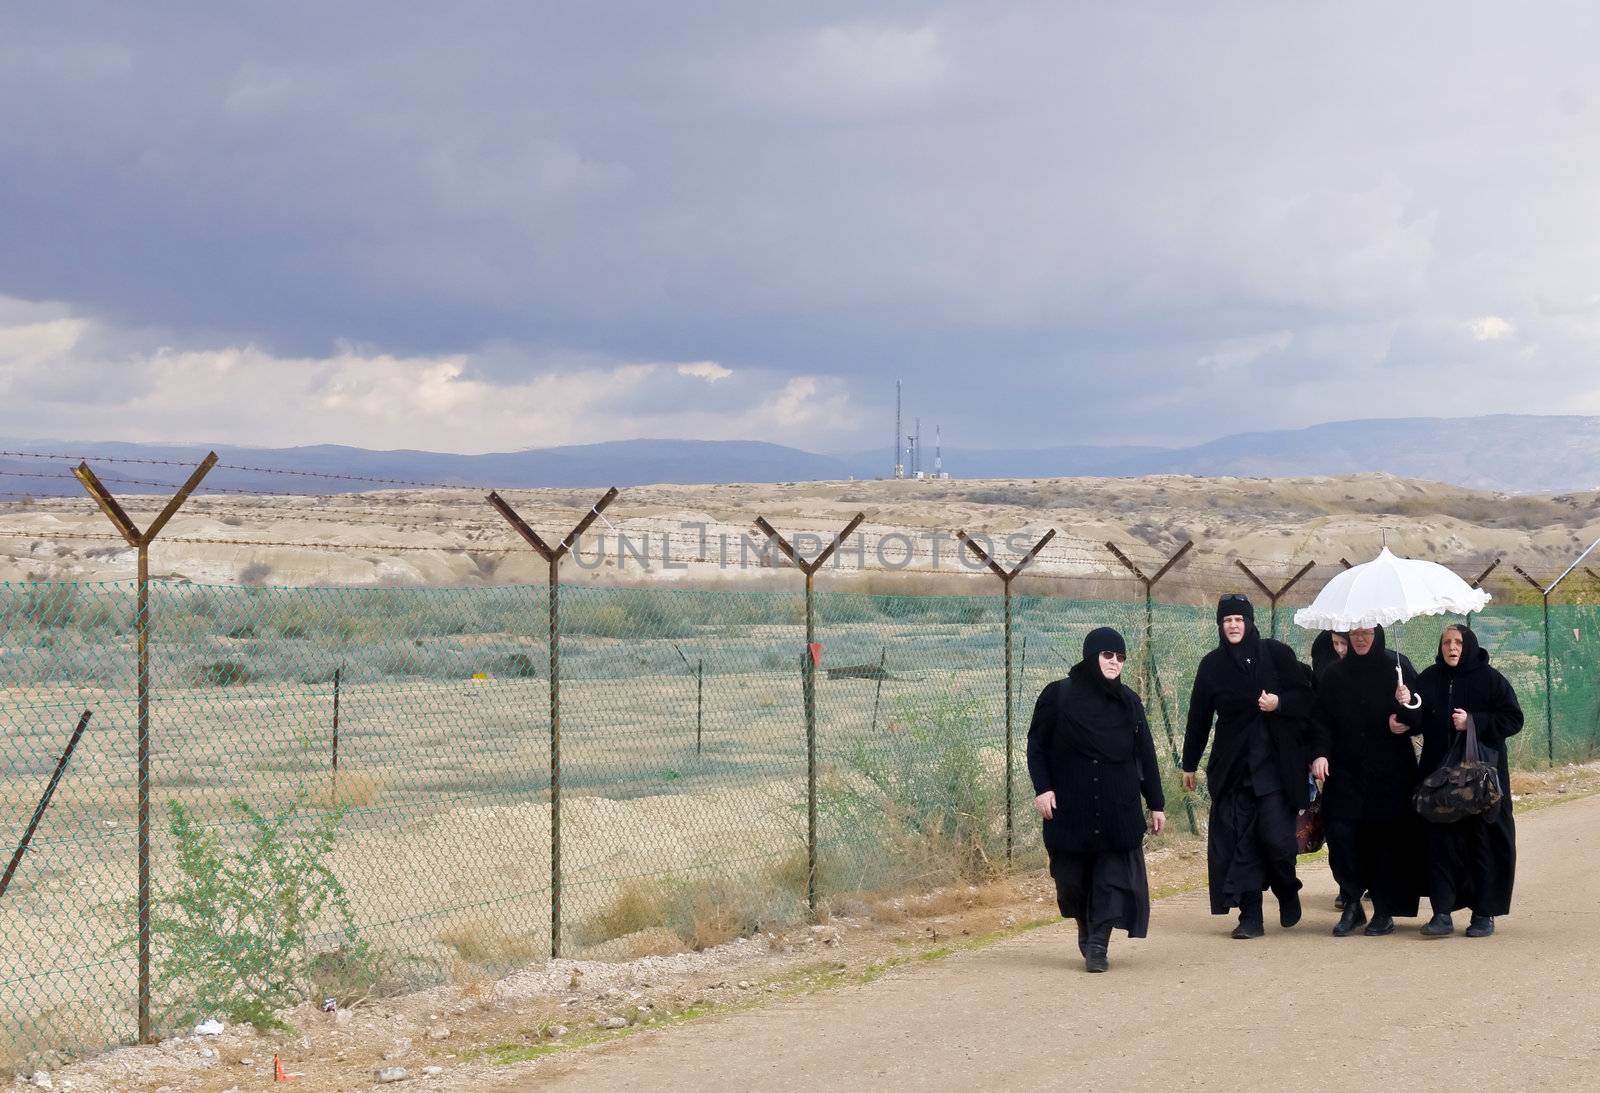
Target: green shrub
921,802
515,666
233,932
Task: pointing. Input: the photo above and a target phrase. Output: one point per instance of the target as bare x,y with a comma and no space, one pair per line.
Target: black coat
1372,772
1097,800
1227,691
1474,860
1485,694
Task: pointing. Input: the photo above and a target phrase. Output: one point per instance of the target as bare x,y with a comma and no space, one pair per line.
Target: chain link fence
412,725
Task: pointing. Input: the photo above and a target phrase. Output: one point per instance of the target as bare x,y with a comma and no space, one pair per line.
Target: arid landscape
444,537
403,631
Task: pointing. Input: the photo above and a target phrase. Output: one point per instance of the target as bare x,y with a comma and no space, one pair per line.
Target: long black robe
1250,842
1375,839
1472,862
1095,839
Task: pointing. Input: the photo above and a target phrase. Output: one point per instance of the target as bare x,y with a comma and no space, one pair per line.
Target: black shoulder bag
1466,784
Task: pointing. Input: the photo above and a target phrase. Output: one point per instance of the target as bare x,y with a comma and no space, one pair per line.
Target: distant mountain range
1504,452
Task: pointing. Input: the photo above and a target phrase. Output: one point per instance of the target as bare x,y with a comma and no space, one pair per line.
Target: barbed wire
326,475
201,541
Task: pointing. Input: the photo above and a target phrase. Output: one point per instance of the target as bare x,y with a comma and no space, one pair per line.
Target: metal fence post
1477,582
1549,685
553,556
1273,597
333,796
808,681
44,803
1149,671
141,541
877,697
1006,577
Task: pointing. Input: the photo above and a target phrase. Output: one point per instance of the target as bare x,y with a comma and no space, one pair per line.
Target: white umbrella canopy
1387,590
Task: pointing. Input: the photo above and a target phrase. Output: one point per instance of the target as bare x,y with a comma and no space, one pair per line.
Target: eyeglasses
1118,657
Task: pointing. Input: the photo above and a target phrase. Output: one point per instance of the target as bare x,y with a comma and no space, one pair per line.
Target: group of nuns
1276,728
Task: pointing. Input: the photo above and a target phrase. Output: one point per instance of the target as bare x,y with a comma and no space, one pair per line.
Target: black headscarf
1247,654
1323,654
1097,719
1473,655
1376,665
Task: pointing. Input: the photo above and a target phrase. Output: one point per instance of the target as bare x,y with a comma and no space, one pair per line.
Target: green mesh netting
684,754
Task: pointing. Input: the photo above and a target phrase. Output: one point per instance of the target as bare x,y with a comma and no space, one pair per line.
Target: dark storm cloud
1144,222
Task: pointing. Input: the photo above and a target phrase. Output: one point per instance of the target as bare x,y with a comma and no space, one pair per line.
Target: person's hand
1158,822
1402,695
1190,780
1046,803
1268,703
1397,726
1458,718
1319,768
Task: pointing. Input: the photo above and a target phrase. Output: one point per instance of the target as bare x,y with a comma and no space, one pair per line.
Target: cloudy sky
486,226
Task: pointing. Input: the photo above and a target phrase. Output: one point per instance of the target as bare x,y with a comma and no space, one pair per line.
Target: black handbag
1308,829
1466,784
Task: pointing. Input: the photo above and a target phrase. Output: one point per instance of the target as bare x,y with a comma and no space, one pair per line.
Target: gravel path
1189,1008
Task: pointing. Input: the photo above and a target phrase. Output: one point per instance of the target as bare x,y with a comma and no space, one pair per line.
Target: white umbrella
1388,590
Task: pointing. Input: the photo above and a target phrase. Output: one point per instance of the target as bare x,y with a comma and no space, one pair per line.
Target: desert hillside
454,537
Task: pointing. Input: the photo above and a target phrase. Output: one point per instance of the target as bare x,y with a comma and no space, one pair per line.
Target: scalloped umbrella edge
1387,590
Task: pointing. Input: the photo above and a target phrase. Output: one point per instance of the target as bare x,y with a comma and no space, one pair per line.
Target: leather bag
1308,833
1466,784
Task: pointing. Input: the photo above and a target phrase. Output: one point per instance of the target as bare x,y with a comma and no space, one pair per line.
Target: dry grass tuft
950,901
641,905
656,941
699,912
51,1038
489,945
355,789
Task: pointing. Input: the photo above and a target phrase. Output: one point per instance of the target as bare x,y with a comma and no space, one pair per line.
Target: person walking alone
1091,758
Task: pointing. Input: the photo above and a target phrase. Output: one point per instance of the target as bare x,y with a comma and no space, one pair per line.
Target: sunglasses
1118,657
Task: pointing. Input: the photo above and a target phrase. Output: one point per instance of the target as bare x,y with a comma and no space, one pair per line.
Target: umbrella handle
1400,681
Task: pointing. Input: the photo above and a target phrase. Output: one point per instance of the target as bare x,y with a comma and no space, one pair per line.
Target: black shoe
1439,926
1289,908
1094,959
1083,936
1250,920
1248,928
1354,915
1480,926
1338,902
1380,925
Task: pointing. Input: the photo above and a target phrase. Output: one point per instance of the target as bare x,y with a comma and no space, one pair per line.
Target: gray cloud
1142,222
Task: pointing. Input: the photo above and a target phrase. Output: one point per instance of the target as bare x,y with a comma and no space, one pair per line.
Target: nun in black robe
1260,696
1326,651
1362,741
1091,757
1473,861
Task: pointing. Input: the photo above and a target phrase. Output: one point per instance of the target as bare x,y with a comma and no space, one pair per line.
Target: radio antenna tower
938,453
899,465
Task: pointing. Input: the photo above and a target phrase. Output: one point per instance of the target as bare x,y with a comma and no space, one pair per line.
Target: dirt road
1189,1008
